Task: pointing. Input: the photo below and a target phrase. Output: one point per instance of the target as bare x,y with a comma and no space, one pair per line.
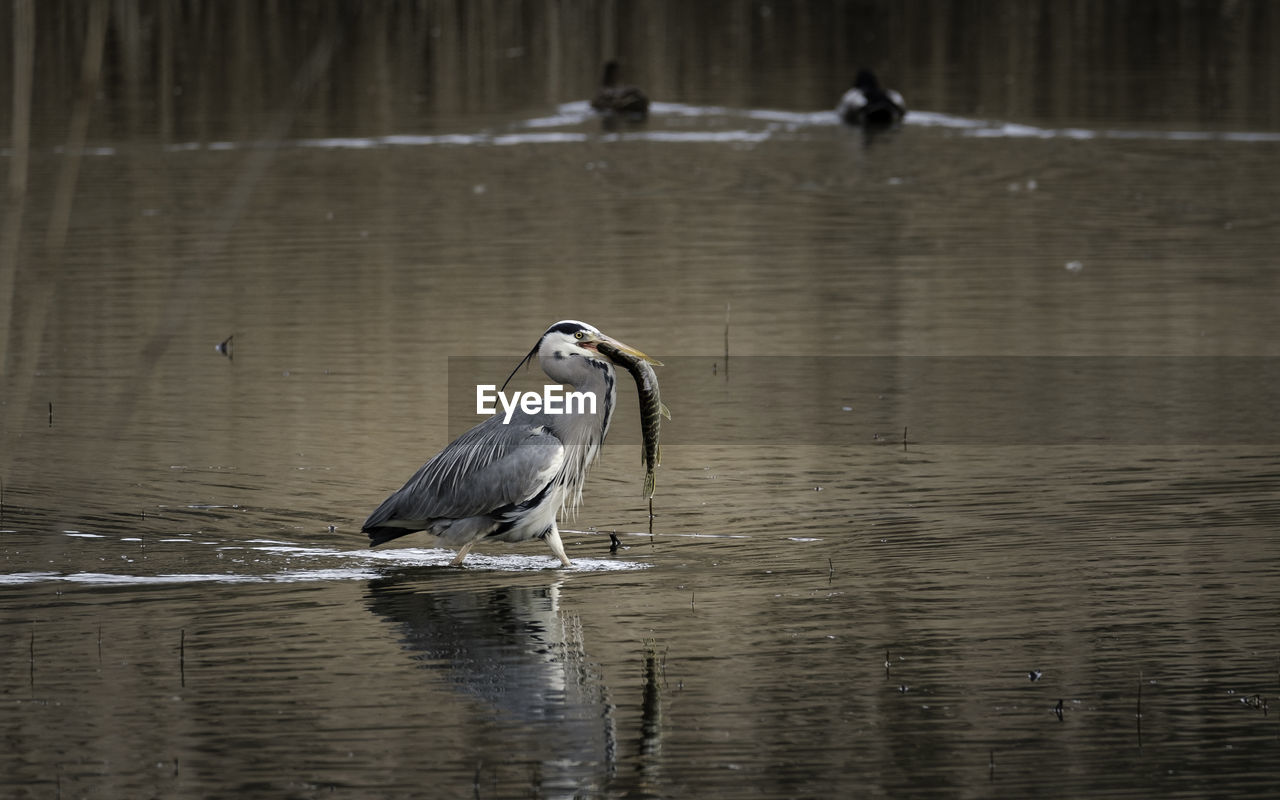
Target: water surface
817,608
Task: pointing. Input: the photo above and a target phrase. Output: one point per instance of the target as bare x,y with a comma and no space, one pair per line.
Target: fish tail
649,484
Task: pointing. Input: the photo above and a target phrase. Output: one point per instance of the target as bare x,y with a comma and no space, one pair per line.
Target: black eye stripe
566,327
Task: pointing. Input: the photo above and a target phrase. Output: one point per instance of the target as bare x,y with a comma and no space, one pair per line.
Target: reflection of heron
625,101
507,478
515,650
867,103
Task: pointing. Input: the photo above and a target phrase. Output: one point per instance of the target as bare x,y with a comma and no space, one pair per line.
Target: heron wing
487,468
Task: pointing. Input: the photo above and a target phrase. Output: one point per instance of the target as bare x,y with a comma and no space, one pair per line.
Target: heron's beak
623,348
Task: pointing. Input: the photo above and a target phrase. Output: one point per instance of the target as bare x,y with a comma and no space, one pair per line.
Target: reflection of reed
90,70
648,770
37,299
19,151
651,705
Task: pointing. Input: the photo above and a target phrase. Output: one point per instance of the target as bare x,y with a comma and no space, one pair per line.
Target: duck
625,101
868,103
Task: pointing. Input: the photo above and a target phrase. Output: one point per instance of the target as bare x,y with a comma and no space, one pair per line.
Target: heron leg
462,553
557,546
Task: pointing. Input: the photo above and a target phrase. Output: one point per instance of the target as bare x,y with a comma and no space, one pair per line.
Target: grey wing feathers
488,467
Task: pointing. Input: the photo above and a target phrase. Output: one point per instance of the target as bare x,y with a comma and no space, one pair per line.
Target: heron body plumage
509,481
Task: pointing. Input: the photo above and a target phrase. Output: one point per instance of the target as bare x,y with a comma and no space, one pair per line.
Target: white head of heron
566,341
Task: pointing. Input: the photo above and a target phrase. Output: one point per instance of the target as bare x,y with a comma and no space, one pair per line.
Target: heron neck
598,379
583,434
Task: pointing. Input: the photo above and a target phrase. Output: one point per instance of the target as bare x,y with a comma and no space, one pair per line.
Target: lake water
985,500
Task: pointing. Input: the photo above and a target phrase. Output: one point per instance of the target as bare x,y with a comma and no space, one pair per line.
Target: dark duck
613,98
868,103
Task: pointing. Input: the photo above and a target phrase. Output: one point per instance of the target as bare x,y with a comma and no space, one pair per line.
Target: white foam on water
421,556
539,138
793,118
568,115
751,137
336,143
362,565
115,579
410,140
19,578
578,113
934,119
287,549
709,535
994,129
513,563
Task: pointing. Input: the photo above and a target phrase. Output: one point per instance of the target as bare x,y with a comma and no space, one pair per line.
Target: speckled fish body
651,409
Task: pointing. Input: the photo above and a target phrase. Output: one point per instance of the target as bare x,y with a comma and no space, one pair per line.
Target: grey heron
508,478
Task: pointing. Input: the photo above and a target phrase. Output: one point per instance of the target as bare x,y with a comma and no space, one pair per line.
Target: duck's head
865,80
610,74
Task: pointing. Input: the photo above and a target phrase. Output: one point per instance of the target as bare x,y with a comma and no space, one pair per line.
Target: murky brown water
186,605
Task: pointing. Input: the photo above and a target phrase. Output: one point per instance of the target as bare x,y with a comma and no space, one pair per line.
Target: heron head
569,345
